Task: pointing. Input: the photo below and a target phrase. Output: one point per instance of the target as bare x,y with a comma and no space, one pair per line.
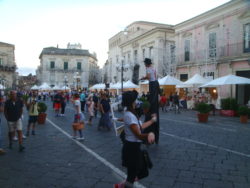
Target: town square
125,101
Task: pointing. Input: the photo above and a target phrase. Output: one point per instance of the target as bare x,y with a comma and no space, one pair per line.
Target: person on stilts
154,91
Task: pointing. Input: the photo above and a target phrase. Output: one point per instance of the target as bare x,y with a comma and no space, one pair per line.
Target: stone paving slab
52,159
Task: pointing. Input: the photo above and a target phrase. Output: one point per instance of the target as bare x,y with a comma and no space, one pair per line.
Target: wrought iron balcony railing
211,55
7,68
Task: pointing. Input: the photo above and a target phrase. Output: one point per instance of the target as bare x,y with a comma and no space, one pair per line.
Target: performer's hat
147,61
129,97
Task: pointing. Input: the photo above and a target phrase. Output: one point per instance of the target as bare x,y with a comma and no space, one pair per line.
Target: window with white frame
143,53
246,39
135,56
172,53
151,52
52,64
212,45
187,50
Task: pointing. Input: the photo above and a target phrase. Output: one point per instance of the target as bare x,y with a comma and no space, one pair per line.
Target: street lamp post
77,77
65,82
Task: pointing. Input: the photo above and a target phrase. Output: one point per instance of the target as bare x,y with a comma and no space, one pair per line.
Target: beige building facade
7,65
140,40
72,67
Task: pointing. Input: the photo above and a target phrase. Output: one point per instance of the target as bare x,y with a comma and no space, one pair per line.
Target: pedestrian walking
78,117
63,103
32,106
13,110
90,104
96,100
104,106
2,151
154,90
83,101
57,103
131,151
176,103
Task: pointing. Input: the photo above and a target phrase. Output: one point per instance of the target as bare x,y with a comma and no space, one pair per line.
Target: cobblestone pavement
189,155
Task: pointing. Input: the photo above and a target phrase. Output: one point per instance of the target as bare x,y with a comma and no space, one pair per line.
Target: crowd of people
87,103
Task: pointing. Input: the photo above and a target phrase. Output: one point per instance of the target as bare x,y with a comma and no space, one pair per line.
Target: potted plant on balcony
243,111
229,107
203,110
42,108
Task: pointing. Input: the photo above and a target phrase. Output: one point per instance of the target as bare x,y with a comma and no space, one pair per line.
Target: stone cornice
150,32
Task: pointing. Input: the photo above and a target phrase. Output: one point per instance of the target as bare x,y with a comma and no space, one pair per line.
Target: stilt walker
154,90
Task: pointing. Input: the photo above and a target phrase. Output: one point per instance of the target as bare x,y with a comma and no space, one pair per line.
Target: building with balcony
141,39
216,43
72,67
26,82
7,65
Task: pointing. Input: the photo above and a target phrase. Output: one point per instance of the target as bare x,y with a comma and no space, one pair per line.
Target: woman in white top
78,116
154,91
133,137
90,104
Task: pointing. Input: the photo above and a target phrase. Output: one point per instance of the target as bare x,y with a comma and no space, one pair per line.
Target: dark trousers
154,90
63,105
131,159
83,105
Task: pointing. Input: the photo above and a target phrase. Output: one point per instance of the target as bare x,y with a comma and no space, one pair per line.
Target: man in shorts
57,103
13,110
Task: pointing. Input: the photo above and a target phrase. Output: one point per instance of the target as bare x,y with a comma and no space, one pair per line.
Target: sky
32,25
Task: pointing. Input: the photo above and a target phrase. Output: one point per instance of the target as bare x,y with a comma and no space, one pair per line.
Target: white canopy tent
117,85
169,80
35,87
65,88
194,81
1,86
98,86
130,85
56,87
44,86
227,80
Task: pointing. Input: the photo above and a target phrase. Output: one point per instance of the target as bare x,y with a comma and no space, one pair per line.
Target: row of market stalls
46,87
190,88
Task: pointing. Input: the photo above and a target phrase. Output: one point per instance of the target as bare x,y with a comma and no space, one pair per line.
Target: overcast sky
32,25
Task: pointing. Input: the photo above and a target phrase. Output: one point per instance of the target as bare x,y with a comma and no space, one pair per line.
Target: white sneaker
24,137
80,138
15,138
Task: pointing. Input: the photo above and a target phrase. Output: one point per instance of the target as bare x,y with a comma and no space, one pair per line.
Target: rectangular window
183,77
151,53
172,53
246,37
1,61
128,57
66,66
79,66
135,56
187,50
52,64
212,45
143,54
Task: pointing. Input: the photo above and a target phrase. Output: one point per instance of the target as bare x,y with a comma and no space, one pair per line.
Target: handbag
147,159
78,126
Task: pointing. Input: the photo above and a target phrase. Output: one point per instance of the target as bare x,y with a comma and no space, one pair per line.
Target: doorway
243,91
